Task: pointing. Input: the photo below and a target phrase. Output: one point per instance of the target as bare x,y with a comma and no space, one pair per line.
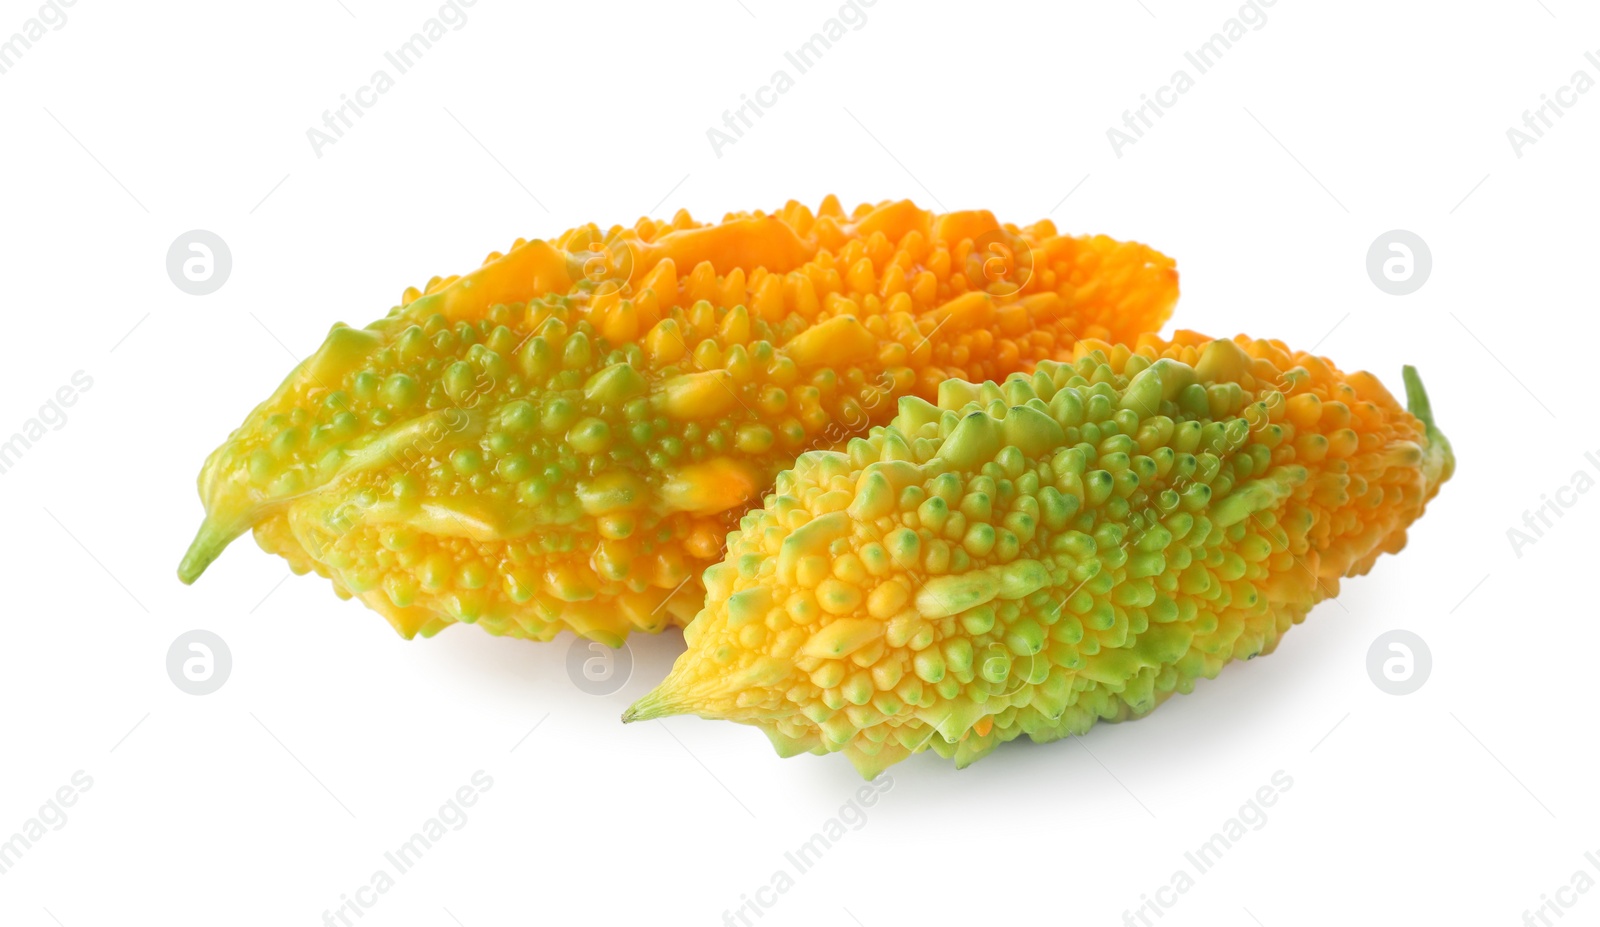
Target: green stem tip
209,543
1417,404
655,704
1417,397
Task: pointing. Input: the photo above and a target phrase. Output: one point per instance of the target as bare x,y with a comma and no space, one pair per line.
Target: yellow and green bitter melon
1072,545
563,438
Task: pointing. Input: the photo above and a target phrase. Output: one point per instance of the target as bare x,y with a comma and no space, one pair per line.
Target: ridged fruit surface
1065,547
563,438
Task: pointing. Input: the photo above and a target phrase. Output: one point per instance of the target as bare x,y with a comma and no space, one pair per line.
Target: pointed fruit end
208,544
658,703
1442,458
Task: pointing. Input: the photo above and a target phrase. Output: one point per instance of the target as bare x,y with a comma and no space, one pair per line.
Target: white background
333,740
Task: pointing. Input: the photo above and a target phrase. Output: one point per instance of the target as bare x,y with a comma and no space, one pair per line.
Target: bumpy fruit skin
563,438
1069,546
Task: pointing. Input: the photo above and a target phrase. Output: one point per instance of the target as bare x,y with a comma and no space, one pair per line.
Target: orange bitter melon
1067,546
563,438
